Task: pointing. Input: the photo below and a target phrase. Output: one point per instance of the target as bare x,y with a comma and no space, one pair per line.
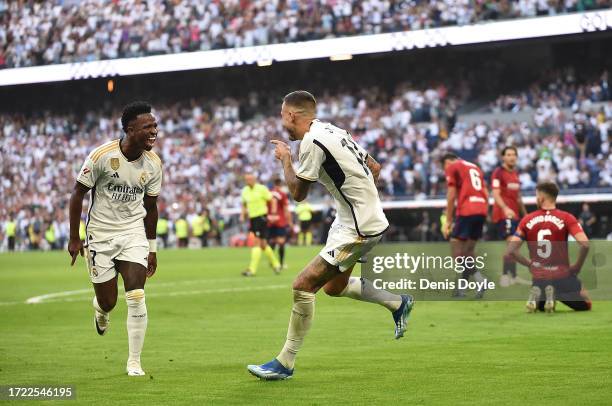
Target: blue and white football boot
271,371
400,316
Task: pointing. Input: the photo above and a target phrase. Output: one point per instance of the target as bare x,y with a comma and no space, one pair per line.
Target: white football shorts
101,255
344,247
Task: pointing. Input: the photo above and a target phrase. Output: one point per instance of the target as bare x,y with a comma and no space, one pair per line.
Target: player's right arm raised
75,245
298,186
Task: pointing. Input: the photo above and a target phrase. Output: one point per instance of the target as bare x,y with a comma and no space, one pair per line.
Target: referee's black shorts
259,226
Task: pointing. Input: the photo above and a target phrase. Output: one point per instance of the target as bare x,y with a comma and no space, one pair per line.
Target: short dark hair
509,148
301,99
549,188
447,156
278,182
133,110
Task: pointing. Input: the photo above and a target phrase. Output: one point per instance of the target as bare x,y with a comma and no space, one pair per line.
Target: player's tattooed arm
513,251
75,245
374,167
298,187
150,223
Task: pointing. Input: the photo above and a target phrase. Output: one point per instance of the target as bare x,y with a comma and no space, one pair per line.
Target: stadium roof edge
567,24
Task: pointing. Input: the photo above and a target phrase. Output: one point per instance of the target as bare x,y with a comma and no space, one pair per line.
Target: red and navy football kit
507,182
277,221
472,201
546,233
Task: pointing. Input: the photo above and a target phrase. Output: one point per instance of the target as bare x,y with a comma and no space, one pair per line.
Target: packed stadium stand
552,101
42,154
64,31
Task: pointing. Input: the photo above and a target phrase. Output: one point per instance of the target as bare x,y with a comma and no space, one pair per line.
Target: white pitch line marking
68,296
42,298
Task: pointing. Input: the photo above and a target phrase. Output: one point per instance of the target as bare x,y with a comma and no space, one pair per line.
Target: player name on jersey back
329,155
118,189
545,218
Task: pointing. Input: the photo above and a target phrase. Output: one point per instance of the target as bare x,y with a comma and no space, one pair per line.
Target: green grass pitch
206,323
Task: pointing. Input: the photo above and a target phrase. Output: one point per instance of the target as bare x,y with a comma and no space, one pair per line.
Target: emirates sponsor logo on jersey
548,218
125,193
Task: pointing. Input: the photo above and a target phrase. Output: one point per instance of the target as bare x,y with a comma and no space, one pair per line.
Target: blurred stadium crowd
64,31
207,147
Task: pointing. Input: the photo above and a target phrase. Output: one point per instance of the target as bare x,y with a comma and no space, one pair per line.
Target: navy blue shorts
506,228
274,232
566,289
468,227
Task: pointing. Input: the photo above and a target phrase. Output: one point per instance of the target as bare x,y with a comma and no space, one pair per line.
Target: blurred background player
10,231
546,231
587,219
255,198
163,227
125,179
508,207
200,225
303,210
329,155
466,186
279,220
181,231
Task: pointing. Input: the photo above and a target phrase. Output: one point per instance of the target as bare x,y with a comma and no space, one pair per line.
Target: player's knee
333,289
107,304
301,283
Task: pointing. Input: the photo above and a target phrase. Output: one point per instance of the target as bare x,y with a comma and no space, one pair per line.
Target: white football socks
136,322
299,324
363,289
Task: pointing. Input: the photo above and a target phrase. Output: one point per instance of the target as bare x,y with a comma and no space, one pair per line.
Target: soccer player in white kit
125,178
329,155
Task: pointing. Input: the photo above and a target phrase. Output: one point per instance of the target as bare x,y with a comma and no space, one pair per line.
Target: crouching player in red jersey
466,186
546,231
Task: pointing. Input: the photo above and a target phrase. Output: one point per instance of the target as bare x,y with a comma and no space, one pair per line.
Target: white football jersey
329,155
118,187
